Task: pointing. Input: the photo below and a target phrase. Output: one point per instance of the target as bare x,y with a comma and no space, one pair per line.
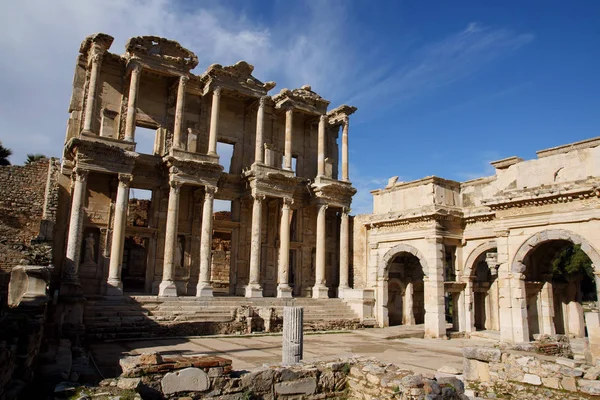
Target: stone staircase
134,317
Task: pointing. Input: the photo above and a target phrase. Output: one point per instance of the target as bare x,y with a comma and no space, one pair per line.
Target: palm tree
4,154
31,158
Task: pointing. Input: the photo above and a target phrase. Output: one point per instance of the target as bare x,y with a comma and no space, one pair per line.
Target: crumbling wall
494,371
24,203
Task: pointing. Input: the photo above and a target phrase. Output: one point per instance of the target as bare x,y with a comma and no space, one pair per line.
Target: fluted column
96,61
321,146
320,290
254,289
134,85
214,122
76,225
167,286
204,288
259,157
283,288
114,285
287,154
345,174
179,111
344,251
292,346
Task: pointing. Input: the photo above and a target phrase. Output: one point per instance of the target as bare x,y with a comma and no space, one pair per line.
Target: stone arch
394,251
477,251
518,266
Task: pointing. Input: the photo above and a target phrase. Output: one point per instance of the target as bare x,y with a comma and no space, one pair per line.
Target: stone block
447,369
128,383
532,379
568,383
482,354
568,362
305,386
185,380
589,387
551,382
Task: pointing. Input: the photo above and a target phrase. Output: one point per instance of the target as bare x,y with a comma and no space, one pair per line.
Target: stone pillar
292,346
214,122
254,289
408,314
134,85
179,113
518,298
283,288
435,320
204,287
344,250
321,146
289,123
76,225
547,306
320,290
469,310
260,130
96,61
114,286
167,286
574,318
345,174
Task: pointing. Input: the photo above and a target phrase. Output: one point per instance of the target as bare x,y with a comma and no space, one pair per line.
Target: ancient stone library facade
142,121
479,253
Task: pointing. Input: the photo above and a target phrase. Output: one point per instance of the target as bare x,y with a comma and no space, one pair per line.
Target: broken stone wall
25,203
488,370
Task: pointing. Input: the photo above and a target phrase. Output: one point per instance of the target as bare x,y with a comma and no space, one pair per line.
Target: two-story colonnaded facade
289,200
479,253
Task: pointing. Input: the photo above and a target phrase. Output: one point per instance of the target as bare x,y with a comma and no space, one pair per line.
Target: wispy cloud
483,167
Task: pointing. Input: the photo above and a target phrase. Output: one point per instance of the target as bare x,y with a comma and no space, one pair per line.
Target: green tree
574,266
4,154
34,157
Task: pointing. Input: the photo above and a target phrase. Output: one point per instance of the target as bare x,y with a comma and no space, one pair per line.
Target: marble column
283,288
134,85
435,320
287,153
179,113
214,122
259,152
76,225
167,286
345,174
547,306
292,346
468,309
114,286
254,289
344,251
90,104
321,146
408,314
320,290
204,288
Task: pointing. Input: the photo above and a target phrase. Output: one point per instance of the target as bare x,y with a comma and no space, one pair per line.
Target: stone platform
136,316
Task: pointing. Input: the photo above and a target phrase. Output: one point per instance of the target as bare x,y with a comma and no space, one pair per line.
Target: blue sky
442,87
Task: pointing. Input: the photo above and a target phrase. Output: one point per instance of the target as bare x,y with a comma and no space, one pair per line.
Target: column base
254,290
340,291
204,290
284,292
320,292
167,289
114,288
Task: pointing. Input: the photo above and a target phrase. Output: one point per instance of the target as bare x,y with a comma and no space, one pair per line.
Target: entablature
236,79
302,99
160,54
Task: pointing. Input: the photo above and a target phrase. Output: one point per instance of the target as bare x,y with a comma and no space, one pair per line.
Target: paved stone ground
250,352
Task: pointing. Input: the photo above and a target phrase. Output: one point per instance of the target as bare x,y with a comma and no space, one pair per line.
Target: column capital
135,68
287,202
125,180
183,80
323,119
323,208
346,211
175,186
263,100
346,121
209,191
96,57
80,174
258,197
217,91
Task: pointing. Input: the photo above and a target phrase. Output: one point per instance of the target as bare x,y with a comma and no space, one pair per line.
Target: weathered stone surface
150,359
128,383
446,369
568,362
589,387
185,380
482,354
300,386
569,383
532,379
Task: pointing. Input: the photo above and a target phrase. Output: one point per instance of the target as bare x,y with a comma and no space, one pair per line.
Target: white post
292,346
283,288
260,127
179,113
167,286
254,289
320,290
321,146
289,123
114,285
131,103
214,122
204,288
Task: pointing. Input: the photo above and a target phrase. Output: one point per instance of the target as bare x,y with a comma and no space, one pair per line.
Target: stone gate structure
481,250
288,226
